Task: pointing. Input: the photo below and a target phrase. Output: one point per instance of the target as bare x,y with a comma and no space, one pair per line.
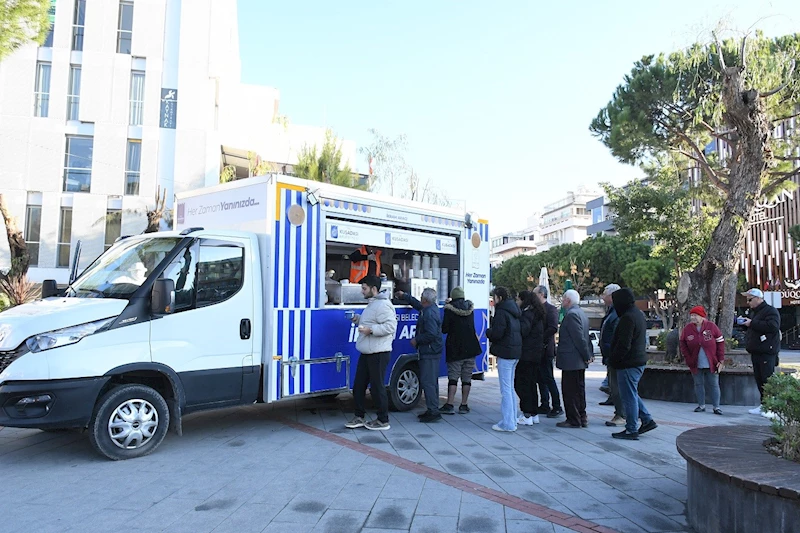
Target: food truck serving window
362,234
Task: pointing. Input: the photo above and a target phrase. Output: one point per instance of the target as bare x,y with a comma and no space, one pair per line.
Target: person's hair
428,295
371,281
542,290
573,296
529,299
500,292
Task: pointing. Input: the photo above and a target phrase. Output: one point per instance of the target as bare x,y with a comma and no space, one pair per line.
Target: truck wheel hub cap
133,424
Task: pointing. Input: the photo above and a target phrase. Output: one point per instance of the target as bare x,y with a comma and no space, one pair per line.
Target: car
594,336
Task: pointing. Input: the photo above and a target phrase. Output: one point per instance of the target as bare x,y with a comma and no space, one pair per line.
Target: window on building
41,104
78,164
125,28
74,92
113,227
137,98
78,19
133,163
33,227
64,237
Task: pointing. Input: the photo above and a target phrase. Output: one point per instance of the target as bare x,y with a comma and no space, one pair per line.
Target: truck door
208,339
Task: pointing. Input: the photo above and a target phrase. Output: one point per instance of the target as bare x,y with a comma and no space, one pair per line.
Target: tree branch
782,178
742,52
719,51
783,85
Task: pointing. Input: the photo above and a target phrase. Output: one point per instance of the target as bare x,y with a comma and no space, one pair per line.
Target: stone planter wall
675,384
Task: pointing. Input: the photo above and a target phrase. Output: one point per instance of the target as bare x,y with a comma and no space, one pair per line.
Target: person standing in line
628,357
703,349
606,335
377,326
573,357
428,342
762,341
531,324
547,383
506,344
461,347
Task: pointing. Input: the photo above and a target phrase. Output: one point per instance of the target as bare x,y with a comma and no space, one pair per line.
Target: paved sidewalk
294,467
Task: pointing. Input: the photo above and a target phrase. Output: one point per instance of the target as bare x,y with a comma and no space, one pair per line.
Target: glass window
64,237
78,164
78,19
33,227
41,105
51,15
137,98
133,163
74,93
113,227
182,271
125,28
219,272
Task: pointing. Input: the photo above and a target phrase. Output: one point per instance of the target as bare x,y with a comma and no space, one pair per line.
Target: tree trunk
20,258
744,112
728,311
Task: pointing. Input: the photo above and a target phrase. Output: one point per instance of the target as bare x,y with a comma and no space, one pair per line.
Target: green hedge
782,397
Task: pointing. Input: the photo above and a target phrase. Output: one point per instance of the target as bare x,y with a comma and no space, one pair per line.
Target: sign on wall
169,108
390,237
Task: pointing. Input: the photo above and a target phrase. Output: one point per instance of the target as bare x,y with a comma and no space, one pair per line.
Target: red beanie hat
698,310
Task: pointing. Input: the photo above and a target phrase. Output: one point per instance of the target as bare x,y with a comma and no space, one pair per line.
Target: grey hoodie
382,318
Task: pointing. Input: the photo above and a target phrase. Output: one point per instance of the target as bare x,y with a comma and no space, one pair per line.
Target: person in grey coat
573,357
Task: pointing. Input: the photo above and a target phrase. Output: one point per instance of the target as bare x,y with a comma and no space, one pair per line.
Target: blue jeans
429,377
706,379
508,407
628,383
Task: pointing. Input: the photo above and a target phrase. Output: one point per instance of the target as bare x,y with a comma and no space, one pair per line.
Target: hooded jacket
532,330
629,343
765,324
459,325
504,335
382,318
574,345
550,330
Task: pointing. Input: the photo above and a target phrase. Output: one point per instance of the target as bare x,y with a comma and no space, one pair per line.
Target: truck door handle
244,328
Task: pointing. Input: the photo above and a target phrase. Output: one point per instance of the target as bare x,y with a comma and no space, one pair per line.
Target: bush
782,397
4,303
661,341
731,344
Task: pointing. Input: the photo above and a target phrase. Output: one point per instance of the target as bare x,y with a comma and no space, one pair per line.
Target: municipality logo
388,238
439,245
334,232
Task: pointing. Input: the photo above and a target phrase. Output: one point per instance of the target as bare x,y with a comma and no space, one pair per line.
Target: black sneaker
447,409
424,413
605,389
429,417
699,409
625,435
555,413
463,409
650,426
607,402
542,410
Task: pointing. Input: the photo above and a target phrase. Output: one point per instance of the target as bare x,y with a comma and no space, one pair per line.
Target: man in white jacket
376,330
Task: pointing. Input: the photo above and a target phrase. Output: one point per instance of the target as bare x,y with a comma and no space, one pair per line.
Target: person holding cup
377,326
703,349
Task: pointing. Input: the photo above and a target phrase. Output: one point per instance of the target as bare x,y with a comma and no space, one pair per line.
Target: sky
495,98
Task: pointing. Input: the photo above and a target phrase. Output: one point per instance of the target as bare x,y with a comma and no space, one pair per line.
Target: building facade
124,99
602,218
510,245
566,220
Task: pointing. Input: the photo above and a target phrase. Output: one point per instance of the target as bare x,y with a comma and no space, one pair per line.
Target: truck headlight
65,336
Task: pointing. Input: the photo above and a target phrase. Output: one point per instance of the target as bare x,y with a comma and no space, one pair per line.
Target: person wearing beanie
461,347
703,349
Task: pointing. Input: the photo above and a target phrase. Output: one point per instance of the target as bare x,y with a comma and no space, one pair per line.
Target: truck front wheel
404,388
129,421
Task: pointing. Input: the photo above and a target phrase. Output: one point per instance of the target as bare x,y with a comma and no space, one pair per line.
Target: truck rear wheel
404,388
129,421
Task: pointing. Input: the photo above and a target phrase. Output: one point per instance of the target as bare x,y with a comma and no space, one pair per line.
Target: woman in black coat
527,374
506,345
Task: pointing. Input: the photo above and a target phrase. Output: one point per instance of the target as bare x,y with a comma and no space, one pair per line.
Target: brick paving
294,467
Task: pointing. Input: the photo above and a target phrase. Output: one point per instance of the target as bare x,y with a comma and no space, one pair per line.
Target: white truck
232,307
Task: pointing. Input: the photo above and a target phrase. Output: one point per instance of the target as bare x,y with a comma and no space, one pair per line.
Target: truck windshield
120,271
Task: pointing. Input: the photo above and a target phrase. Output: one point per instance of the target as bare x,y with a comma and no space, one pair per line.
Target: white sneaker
535,419
755,410
769,414
497,427
525,420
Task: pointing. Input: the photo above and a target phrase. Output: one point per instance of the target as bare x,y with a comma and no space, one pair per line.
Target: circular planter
735,485
675,384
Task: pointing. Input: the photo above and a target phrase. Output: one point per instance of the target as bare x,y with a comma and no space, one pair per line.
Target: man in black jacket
428,342
628,357
547,383
763,341
461,348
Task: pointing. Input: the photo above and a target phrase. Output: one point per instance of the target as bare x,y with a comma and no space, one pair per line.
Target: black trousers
547,383
573,386
763,368
371,370
525,383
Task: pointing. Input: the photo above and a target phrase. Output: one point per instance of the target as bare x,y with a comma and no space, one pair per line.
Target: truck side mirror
162,299
49,288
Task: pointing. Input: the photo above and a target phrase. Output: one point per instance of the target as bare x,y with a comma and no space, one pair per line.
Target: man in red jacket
703,349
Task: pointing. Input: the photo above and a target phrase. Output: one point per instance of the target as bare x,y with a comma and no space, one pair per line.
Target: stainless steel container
334,291
426,266
351,294
453,279
444,284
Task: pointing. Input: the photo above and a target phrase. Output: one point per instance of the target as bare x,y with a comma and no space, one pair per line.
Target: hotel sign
169,108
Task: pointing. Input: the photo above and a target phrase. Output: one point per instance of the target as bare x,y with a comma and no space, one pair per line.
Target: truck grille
6,358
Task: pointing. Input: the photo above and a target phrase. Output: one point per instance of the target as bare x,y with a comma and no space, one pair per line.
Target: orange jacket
359,269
